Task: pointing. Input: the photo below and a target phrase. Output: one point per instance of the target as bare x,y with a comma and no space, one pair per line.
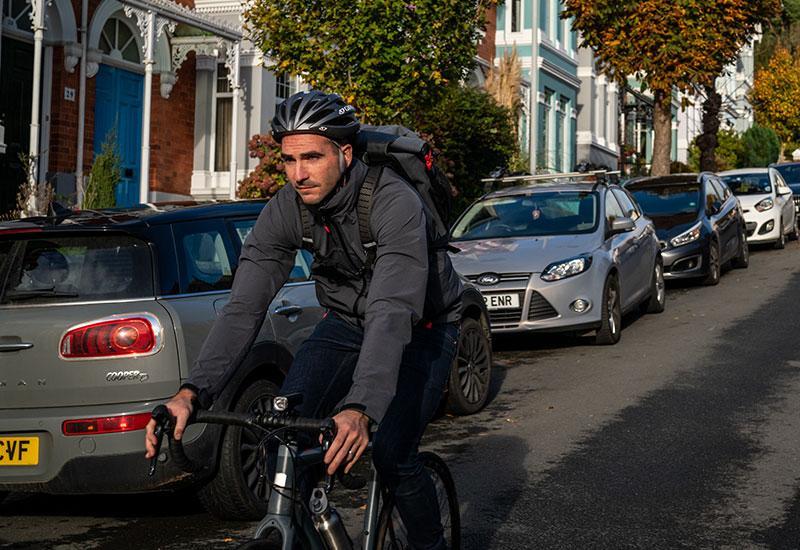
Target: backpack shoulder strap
364,206
305,217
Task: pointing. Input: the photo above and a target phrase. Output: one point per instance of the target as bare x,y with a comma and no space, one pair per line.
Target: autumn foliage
667,45
776,96
266,178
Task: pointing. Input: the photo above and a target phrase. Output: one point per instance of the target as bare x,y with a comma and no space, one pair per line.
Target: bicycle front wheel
393,534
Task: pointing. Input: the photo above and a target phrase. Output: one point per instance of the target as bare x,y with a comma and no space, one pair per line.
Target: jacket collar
344,197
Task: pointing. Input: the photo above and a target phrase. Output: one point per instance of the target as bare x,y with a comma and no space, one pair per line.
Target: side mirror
783,191
621,225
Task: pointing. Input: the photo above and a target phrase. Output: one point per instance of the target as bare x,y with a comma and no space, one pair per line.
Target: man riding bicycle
383,352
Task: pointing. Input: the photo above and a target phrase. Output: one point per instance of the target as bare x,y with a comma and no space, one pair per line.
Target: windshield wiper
38,293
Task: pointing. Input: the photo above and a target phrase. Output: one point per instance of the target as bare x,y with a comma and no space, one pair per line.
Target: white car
767,204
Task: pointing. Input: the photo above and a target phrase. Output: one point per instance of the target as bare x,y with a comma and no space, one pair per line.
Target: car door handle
288,310
16,347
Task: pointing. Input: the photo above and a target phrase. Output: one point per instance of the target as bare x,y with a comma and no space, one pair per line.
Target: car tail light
117,336
106,425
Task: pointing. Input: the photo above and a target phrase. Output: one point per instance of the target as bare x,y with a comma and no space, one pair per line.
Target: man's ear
347,151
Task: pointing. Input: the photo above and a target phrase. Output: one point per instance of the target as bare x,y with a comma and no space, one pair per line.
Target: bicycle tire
391,533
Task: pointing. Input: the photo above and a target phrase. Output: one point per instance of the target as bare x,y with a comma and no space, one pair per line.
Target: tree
727,153
105,175
473,134
666,44
392,59
775,96
760,147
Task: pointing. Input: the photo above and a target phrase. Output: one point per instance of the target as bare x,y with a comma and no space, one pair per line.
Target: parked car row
103,313
574,253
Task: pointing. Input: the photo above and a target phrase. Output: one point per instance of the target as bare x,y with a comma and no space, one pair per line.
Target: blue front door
118,106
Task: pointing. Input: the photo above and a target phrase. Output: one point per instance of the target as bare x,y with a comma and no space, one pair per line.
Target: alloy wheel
661,291
249,452
473,365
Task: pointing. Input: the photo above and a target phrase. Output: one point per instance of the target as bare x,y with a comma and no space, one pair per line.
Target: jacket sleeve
395,299
265,262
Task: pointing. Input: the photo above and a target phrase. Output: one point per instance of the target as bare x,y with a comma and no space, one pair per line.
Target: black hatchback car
699,223
101,317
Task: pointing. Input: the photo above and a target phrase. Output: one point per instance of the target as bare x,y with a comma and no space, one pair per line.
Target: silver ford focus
571,256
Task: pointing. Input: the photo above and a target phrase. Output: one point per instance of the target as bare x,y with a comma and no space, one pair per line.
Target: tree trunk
707,141
662,140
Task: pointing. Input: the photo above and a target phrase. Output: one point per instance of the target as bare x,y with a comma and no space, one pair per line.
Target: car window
626,203
720,190
204,256
529,215
613,209
748,184
711,195
243,228
300,271
58,269
668,200
790,172
780,183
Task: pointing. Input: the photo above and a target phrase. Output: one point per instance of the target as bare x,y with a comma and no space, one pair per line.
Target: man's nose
299,172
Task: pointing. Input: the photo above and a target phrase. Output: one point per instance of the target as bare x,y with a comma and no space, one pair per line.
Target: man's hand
352,437
180,406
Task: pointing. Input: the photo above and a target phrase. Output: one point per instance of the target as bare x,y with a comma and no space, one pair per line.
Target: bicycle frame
280,510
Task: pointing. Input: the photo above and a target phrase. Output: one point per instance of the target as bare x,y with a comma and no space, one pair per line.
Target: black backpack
412,158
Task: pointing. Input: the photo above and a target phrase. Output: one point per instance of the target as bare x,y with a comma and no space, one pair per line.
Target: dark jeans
323,373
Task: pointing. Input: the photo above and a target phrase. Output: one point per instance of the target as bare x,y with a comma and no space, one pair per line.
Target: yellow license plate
19,451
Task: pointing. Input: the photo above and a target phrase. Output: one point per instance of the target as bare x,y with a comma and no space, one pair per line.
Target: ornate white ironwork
36,6
141,22
199,45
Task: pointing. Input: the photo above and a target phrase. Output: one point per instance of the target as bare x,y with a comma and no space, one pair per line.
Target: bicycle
290,522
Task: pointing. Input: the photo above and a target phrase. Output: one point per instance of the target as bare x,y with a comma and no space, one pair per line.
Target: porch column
149,61
233,74
38,8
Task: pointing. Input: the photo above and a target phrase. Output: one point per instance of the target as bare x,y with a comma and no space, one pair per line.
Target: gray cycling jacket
407,283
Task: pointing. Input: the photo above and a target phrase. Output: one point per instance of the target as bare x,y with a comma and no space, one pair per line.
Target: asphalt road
683,435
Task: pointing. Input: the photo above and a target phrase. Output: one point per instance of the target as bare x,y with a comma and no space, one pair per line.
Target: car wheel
795,234
713,265
611,315
658,290
780,244
237,491
471,373
742,259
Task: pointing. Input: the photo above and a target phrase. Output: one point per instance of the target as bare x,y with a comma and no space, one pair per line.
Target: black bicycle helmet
315,112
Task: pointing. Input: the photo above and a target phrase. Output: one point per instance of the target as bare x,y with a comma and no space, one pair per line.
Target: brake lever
163,419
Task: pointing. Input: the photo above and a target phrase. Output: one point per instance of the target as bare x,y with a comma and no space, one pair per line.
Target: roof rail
599,177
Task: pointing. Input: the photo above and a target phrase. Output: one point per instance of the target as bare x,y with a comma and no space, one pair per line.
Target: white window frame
218,95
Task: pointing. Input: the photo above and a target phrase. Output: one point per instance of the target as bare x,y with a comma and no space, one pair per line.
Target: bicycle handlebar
271,420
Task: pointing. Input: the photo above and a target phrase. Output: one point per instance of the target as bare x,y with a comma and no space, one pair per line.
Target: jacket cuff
202,397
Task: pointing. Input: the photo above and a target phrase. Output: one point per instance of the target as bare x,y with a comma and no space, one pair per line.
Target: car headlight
764,205
566,268
686,237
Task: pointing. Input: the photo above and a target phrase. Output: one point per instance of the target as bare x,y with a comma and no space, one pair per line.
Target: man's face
312,165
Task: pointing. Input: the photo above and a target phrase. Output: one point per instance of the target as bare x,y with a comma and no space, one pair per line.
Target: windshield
668,200
534,214
790,173
60,268
749,184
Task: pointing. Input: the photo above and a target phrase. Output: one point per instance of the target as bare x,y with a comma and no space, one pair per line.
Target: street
684,434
